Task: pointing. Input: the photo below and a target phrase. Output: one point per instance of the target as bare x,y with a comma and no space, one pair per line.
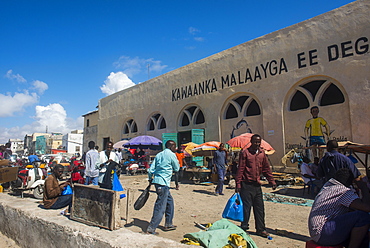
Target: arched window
242,106
316,92
192,115
130,127
156,121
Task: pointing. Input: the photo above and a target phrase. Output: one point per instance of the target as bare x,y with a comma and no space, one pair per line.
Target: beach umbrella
210,143
244,141
120,144
206,149
144,141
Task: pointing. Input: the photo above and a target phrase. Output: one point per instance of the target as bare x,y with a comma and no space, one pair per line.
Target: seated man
53,190
308,175
331,221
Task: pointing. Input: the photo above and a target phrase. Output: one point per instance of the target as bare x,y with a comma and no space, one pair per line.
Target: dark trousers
63,201
178,176
251,194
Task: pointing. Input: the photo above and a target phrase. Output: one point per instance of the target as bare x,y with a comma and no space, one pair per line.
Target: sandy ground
6,242
196,203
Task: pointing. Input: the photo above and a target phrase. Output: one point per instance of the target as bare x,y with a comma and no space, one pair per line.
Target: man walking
91,171
160,173
219,163
252,163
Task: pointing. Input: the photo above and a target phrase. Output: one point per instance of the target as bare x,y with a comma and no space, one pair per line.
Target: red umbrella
244,141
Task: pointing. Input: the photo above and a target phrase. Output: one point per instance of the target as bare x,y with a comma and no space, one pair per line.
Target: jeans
221,178
251,194
163,206
93,180
63,201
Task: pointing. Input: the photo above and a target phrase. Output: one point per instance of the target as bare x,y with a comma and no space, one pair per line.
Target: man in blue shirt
160,173
220,162
333,161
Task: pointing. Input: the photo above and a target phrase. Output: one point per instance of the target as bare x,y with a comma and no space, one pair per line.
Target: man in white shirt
91,171
106,160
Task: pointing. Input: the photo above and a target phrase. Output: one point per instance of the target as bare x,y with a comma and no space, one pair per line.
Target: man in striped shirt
331,221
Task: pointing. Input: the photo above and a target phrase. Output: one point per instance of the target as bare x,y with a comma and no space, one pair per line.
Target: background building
90,128
17,146
72,142
265,86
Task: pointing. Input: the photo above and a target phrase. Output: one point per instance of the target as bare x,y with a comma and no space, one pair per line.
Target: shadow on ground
294,192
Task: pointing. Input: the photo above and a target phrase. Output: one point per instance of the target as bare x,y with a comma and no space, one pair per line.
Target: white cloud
133,66
16,103
116,82
16,77
40,86
193,30
200,39
52,116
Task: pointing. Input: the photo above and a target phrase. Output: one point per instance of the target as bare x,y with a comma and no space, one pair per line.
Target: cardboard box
8,174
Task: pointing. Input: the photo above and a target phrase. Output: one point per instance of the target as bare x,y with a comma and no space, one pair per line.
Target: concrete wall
31,226
333,47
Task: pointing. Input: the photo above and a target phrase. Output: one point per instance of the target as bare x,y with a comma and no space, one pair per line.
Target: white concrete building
17,145
72,142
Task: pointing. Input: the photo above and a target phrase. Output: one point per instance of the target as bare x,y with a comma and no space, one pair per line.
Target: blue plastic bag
67,190
117,186
234,208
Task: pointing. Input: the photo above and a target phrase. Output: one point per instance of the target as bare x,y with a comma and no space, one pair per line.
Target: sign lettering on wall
272,68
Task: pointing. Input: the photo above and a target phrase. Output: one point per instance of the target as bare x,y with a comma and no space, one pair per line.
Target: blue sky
58,58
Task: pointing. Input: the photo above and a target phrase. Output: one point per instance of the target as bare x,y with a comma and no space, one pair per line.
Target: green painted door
197,136
168,136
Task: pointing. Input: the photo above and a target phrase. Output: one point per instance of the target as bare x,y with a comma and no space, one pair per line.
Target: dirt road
196,203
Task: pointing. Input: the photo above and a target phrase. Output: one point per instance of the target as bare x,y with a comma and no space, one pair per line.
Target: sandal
263,234
169,228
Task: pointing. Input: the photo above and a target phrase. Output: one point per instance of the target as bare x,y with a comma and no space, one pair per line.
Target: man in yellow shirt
313,130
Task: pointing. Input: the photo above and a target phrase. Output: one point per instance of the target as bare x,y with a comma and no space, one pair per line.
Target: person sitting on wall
53,198
332,221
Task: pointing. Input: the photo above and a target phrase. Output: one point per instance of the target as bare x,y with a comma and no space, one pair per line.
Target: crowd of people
339,215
